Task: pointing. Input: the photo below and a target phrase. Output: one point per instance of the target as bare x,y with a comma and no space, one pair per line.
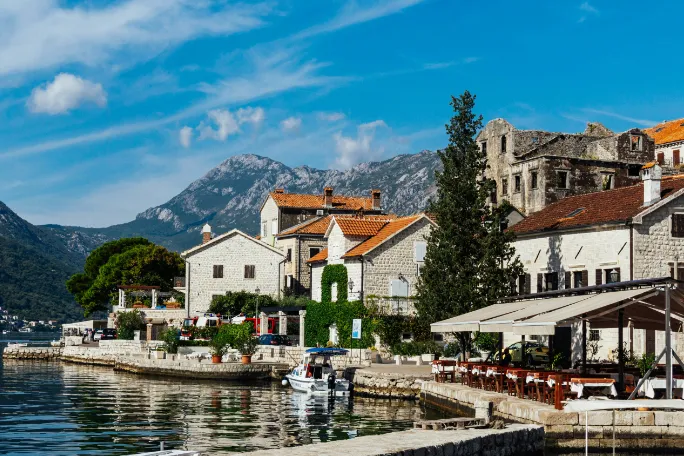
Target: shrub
127,323
233,303
171,339
415,348
238,337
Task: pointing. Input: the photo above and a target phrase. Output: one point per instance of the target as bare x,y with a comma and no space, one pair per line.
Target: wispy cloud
352,14
351,151
640,122
587,10
331,116
41,34
291,124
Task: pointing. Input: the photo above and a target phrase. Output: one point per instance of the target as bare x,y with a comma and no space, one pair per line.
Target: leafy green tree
141,264
234,302
81,282
127,323
469,260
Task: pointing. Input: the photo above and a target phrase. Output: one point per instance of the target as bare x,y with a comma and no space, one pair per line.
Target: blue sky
113,106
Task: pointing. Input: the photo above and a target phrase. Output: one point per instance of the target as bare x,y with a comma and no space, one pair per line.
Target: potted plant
246,343
159,353
171,339
219,347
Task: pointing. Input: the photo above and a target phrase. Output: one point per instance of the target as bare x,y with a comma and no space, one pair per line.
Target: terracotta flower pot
246,359
216,359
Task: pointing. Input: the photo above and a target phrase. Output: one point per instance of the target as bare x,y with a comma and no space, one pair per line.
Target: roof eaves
224,236
391,236
639,218
581,227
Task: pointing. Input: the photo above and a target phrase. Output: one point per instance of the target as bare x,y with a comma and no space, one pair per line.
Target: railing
392,305
179,282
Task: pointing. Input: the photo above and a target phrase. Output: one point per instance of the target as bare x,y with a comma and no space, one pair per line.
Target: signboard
356,328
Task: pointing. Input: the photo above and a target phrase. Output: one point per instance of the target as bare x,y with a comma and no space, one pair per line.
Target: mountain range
36,260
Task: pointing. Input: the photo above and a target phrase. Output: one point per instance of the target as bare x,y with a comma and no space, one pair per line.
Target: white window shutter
398,288
419,251
274,227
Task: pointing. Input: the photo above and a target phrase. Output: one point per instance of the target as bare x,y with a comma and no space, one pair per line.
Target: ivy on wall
321,315
334,273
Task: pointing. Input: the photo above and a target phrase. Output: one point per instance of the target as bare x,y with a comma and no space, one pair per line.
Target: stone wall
634,430
233,254
515,440
193,369
107,351
32,353
369,382
395,256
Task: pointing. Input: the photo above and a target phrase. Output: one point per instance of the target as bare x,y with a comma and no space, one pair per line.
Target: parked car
98,335
536,353
274,339
108,334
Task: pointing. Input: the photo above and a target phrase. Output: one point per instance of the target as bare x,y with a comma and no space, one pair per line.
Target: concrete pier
516,439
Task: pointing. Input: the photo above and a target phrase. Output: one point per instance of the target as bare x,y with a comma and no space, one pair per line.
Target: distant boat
25,330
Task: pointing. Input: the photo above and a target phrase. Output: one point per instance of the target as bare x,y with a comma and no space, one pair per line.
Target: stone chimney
375,195
651,174
328,196
279,190
206,233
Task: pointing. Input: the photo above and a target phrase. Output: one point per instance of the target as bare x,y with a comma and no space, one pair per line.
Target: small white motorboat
315,374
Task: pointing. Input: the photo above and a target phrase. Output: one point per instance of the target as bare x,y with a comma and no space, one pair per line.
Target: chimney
328,196
280,190
375,195
651,174
206,233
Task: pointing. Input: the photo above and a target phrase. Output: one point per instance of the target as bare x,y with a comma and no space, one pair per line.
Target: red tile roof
388,230
318,226
299,201
320,256
667,132
359,226
611,206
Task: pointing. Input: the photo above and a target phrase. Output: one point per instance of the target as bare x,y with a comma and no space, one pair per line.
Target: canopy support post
668,345
584,344
621,350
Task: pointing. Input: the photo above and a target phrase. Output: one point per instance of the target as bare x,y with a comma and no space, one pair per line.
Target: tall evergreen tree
469,261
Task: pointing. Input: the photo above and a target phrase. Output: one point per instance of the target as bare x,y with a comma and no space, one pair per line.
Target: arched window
503,144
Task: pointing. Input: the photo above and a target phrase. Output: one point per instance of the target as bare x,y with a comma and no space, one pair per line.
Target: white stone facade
269,220
233,252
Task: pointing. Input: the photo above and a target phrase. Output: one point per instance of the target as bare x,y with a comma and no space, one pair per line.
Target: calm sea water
51,408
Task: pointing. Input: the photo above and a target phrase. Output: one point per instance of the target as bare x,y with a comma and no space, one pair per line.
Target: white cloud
641,122
588,8
255,116
42,34
65,93
185,136
331,116
225,122
351,151
291,124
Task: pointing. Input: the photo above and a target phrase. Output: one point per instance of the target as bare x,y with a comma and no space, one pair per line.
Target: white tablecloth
607,390
438,368
651,384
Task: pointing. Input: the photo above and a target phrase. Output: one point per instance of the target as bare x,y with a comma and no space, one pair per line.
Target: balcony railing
392,305
179,282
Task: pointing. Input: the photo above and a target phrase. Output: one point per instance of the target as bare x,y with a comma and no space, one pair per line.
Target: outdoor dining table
443,368
518,376
651,384
498,376
605,385
538,379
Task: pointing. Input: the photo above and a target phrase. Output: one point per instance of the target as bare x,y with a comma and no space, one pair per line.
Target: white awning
504,323
594,307
471,320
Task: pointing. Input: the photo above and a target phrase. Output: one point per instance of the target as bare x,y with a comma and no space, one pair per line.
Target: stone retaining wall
516,439
176,367
635,431
368,382
32,353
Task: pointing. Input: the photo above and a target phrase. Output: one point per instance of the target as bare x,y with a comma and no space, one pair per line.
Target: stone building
301,243
534,168
629,233
383,258
283,210
233,261
669,142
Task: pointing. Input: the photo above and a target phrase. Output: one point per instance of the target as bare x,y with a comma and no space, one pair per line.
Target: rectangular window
636,143
578,279
551,281
419,251
612,275
607,181
504,187
594,335
264,227
503,144
249,271
634,171
675,157
484,147
274,227
677,222
398,287
289,255
660,158
534,179
313,251
562,179
516,183
218,271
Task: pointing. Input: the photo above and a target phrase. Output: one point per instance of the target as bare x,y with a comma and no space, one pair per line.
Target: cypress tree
469,260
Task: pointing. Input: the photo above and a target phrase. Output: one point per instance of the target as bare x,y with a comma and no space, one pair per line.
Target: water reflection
57,409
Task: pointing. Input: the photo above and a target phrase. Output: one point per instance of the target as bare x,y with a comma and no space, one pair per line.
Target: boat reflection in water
61,409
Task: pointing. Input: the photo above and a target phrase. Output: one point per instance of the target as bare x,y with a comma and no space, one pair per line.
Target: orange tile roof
611,206
299,201
667,132
387,231
318,226
359,227
320,256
